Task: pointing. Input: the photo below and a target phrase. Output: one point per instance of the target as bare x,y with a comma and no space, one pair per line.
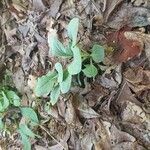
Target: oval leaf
72,30
45,84
5,101
97,53
55,95
66,84
25,141
90,71
1,107
25,130
75,66
29,113
56,47
13,98
59,69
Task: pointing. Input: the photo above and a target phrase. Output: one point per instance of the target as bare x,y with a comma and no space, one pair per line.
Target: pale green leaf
25,141
66,84
97,53
13,98
25,130
45,84
56,47
68,49
30,114
75,66
1,107
59,69
55,95
5,101
90,70
72,30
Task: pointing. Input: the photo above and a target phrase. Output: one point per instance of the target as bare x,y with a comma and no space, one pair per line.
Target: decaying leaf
112,111
38,5
129,15
126,95
86,142
139,79
110,6
86,111
126,47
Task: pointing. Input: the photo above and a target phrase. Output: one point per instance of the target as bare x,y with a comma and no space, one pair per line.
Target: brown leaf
38,5
37,147
118,136
86,111
129,15
19,80
86,142
138,132
126,47
95,94
138,78
54,8
70,114
110,6
75,142
126,95
102,141
132,113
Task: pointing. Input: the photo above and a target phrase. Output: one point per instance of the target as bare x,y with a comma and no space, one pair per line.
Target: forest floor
108,112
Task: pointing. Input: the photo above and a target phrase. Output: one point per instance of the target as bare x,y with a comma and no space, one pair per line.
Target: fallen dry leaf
142,38
132,113
110,7
70,114
75,142
19,80
86,111
126,14
38,5
54,7
125,47
86,142
125,94
138,78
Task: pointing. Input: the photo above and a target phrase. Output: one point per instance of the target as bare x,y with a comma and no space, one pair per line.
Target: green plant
10,105
59,80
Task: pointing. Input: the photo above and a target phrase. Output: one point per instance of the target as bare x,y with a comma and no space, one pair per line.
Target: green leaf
45,84
75,66
30,114
66,84
90,70
97,53
72,30
59,69
57,48
55,95
5,101
13,98
1,107
68,49
25,130
25,141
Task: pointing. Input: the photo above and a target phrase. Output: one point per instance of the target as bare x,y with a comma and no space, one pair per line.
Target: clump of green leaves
59,80
31,120
11,102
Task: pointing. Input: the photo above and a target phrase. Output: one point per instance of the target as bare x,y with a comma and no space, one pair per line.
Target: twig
43,128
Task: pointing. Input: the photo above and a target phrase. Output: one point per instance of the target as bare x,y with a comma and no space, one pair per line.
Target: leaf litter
110,113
